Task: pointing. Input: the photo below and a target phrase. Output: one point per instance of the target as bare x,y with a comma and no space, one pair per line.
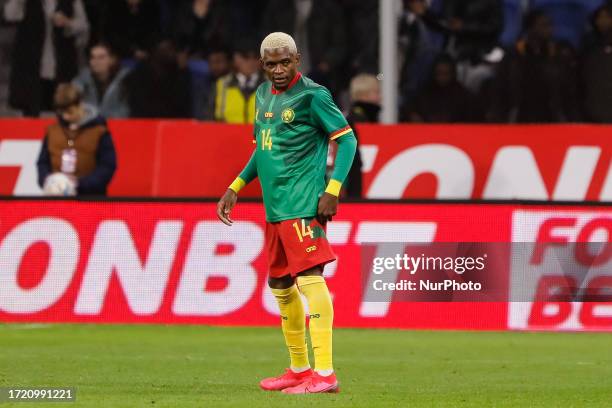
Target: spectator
200,25
596,72
319,32
158,87
218,63
365,105
45,49
536,80
244,18
94,12
132,27
78,145
472,29
365,99
202,82
444,99
168,12
362,27
419,45
102,83
233,96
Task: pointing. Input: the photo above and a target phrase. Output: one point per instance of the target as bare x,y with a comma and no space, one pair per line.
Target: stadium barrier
174,262
196,159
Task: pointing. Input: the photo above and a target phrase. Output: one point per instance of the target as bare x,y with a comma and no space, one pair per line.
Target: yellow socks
293,324
321,320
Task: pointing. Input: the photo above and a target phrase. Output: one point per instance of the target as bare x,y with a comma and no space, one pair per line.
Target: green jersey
292,132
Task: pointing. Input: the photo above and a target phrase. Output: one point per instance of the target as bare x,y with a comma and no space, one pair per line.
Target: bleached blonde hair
278,40
362,84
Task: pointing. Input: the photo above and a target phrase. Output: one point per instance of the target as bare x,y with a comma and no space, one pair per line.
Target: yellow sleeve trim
237,185
340,133
334,187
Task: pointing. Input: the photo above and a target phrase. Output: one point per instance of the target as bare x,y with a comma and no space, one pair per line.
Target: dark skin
281,66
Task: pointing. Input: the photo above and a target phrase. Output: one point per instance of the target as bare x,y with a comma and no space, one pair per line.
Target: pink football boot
289,379
315,384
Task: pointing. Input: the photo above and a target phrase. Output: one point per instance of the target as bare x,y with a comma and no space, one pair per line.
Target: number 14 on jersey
266,139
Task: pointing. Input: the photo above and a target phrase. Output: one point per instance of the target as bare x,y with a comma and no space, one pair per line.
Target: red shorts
296,245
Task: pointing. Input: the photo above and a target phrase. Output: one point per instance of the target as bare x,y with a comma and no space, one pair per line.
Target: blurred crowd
497,61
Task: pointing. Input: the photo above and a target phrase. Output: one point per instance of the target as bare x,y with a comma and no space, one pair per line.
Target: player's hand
328,206
225,205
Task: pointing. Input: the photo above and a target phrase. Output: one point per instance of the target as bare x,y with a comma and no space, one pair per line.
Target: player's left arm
328,203
329,117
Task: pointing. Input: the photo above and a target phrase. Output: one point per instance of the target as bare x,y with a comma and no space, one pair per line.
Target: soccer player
294,121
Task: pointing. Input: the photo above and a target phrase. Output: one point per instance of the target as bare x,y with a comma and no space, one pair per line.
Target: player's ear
298,58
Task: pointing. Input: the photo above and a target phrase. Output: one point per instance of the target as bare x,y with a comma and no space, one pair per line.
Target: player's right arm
228,201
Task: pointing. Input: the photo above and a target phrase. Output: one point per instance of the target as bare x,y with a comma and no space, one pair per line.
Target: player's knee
280,283
316,271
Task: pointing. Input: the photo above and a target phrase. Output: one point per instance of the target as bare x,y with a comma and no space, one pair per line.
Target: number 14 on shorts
305,231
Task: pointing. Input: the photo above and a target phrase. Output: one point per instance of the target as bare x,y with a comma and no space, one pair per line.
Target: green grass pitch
198,366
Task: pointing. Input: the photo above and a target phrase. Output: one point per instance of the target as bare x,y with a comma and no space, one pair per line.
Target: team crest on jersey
288,115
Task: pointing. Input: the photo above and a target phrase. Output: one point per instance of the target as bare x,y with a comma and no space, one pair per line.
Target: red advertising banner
135,142
174,262
189,158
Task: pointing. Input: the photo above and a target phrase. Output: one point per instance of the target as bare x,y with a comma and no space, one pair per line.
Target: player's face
280,66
